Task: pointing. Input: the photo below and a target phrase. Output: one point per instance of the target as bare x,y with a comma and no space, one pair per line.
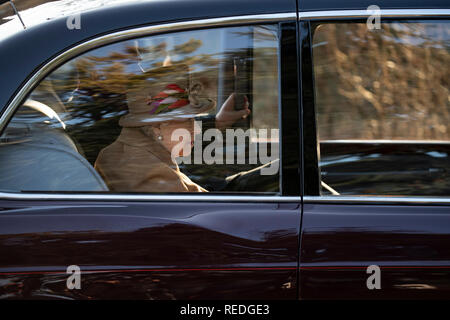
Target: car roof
320,5
46,34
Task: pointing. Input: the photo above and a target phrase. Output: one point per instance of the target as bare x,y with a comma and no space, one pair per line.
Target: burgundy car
316,164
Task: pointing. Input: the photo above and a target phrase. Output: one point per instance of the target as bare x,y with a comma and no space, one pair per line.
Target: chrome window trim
386,13
125,35
199,197
406,200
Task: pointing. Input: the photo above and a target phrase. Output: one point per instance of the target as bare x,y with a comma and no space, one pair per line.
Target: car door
376,215
68,231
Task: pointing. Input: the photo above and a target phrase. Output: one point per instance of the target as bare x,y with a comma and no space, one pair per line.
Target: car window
193,111
382,105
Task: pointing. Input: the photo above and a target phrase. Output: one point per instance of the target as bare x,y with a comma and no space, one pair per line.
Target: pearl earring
160,137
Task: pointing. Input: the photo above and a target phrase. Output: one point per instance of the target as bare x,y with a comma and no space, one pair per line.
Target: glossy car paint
319,5
149,250
410,244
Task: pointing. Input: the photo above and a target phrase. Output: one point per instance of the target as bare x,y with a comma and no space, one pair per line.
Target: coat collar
137,138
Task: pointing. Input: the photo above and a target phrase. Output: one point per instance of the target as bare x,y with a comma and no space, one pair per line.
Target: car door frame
404,236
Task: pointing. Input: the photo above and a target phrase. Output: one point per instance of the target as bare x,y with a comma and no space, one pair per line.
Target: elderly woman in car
140,160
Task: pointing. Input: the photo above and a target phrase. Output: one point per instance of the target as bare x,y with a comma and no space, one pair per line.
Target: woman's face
172,135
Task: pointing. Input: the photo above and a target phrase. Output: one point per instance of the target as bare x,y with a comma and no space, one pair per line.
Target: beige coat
138,163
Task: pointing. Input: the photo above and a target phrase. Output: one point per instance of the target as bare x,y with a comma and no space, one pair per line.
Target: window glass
382,106
191,111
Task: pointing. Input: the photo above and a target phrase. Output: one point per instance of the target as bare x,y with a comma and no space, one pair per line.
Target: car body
296,244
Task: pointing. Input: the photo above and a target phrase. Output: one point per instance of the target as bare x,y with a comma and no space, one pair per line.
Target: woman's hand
228,115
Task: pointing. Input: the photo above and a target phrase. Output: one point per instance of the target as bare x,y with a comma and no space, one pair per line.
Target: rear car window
382,105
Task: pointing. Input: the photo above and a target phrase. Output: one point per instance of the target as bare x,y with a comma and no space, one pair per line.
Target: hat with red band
173,98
